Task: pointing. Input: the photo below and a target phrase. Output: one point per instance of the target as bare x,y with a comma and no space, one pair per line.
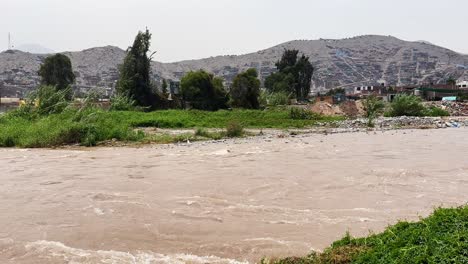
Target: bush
48,100
373,107
435,112
202,132
122,103
406,105
234,129
302,114
277,98
440,238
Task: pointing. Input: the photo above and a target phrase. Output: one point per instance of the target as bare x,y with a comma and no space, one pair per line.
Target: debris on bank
388,123
454,108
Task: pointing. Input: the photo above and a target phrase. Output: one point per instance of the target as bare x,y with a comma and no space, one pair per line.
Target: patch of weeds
439,238
234,129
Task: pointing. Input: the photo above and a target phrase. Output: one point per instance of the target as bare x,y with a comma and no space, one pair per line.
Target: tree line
198,89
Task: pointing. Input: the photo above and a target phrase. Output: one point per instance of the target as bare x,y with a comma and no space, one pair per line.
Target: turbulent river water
227,202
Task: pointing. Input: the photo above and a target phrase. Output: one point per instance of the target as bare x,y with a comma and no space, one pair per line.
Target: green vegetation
297,113
373,107
406,105
435,111
274,99
56,71
234,129
89,126
451,81
294,75
410,105
203,91
440,238
122,103
134,81
245,90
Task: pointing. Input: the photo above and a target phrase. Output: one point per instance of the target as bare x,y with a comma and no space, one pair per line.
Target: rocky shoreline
341,127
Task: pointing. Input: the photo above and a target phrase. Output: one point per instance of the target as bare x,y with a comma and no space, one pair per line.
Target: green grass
90,126
440,238
220,119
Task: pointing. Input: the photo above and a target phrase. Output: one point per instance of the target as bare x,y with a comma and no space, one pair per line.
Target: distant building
367,90
436,92
462,85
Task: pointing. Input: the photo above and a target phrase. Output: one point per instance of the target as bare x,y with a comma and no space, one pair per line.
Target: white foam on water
58,251
98,211
269,239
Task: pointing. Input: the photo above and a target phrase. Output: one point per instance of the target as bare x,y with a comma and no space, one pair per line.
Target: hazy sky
190,29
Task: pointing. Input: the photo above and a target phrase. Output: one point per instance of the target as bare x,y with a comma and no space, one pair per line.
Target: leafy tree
304,71
203,91
373,107
280,82
294,75
288,61
245,90
57,71
134,81
451,81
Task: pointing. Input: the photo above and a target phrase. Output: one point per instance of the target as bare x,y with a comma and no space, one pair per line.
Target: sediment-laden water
230,202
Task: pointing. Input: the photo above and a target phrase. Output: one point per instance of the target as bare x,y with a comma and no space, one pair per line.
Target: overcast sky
191,29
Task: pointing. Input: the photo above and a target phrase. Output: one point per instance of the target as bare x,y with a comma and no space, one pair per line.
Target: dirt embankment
351,109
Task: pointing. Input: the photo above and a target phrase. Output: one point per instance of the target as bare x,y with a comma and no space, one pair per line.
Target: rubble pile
406,122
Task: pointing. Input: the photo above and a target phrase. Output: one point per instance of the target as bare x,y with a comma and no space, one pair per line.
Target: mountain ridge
338,62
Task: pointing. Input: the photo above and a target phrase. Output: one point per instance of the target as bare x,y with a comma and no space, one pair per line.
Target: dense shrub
440,238
406,105
373,107
234,129
435,111
122,103
302,114
277,98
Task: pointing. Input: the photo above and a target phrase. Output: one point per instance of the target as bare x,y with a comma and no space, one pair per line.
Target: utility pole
9,41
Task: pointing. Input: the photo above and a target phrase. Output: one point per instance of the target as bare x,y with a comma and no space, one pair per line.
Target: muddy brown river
229,202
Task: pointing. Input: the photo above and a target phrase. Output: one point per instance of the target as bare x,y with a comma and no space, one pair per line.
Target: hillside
364,59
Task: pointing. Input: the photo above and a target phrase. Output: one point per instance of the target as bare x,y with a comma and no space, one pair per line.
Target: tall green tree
288,61
57,71
134,81
304,71
294,75
203,91
245,90
451,81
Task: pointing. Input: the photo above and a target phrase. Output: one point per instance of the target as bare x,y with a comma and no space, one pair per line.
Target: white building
462,84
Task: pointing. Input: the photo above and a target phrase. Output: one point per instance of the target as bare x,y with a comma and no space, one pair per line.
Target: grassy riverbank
91,126
440,238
